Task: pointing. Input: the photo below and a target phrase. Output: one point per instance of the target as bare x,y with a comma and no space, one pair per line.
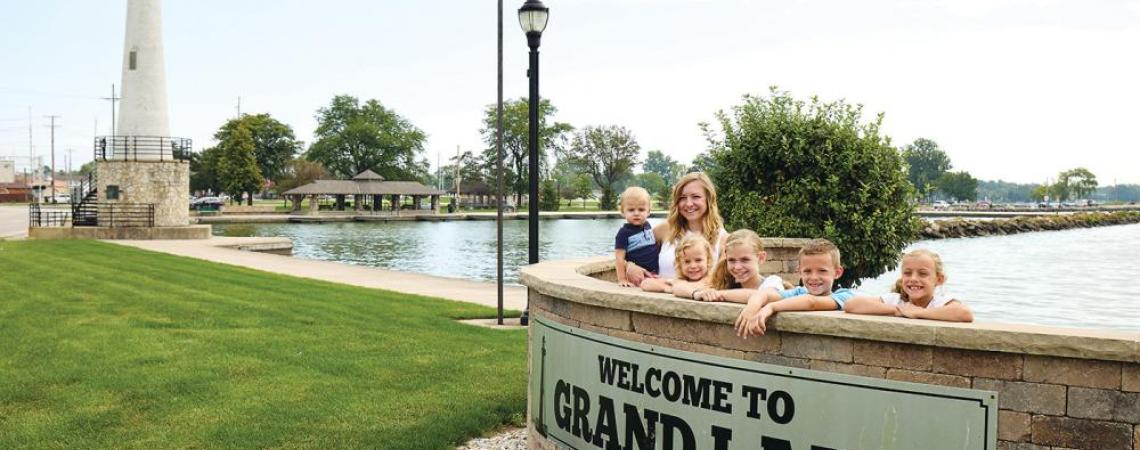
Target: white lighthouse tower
143,174
143,111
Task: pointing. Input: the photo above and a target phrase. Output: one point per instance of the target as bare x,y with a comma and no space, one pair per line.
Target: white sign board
589,390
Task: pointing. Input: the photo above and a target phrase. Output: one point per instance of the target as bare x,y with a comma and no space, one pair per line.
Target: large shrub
789,168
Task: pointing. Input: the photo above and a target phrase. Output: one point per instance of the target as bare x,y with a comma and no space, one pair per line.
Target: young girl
692,261
736,275
916,294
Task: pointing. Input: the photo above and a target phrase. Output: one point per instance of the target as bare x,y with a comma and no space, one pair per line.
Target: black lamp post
532,17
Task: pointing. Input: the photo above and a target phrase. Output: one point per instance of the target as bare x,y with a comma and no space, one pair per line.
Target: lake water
1076,278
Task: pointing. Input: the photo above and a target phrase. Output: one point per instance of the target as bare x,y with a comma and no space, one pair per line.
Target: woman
693,210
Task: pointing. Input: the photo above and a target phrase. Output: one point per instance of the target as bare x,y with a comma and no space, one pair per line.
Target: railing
48,215
142,148
109,215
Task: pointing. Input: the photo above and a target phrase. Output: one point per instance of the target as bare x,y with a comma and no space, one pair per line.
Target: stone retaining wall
956,228
1058,388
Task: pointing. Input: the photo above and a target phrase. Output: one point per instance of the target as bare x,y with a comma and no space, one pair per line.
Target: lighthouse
143,111
142,172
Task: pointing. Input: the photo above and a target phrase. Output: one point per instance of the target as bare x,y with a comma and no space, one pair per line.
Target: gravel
512,439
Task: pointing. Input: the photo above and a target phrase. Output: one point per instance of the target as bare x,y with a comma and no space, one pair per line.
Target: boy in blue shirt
634,241
819,266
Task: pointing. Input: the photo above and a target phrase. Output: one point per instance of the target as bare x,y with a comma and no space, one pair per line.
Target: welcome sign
589,391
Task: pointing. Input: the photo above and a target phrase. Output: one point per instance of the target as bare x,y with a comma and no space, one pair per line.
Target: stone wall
959,227
1058,388
164,184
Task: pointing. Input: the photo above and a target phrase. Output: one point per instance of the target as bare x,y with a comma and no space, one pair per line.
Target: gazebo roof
364,183
368,175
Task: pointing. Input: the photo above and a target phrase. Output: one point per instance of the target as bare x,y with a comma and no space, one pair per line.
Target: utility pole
31,149
113,98
239,107
52,126
457,179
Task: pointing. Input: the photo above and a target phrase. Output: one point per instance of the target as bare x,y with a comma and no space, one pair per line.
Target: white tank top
666,256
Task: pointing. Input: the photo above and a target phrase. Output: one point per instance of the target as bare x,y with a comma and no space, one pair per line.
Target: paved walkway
221,250
13,221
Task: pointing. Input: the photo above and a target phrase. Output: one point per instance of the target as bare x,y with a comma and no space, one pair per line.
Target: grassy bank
110,347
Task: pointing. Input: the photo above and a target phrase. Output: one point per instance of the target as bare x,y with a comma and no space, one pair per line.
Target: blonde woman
693,211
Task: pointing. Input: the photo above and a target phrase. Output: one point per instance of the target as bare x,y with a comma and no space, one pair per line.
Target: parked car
941,205
59,198
207,204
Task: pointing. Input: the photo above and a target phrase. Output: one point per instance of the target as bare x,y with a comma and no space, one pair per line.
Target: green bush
786,168
548,196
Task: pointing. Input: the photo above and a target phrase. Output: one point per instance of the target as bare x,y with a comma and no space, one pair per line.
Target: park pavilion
367,191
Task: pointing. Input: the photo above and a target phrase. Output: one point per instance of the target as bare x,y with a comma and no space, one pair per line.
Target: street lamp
532,17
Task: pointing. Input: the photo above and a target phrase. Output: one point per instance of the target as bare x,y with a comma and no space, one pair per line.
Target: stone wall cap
571,280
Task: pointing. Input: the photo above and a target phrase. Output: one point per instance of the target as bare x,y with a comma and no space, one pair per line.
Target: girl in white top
693,210
692,263
916,294
736,276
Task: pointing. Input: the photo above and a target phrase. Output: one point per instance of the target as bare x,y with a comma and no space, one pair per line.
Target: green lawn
106,346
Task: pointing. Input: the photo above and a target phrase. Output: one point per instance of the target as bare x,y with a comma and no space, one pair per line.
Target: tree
958,185
583,188
548,198
653,183
204,170
606,153
925,163
237,167
300,172
1079,181
352,138
86,168
784,167
516,136
663,165
274,144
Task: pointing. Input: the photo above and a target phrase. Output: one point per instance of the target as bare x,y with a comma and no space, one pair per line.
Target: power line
45,94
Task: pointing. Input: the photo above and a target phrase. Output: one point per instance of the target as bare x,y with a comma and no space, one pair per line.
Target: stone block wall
1058,388
164,184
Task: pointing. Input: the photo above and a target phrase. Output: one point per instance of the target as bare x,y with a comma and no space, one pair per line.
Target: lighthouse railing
142,148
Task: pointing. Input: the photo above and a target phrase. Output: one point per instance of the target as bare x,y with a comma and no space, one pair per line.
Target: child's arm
685,289
657,285
755,303
739,295
619,259
867,304
954,311
757,325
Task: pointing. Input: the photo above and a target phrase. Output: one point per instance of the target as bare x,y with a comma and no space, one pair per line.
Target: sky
1017,90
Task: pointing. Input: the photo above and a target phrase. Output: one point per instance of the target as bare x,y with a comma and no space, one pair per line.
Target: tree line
928,169
256,152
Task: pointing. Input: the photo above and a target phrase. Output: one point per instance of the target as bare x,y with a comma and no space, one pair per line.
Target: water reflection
1067,278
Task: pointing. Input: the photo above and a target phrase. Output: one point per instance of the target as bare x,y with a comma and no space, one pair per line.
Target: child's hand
909,311
758,324
755,303
708,295
626,283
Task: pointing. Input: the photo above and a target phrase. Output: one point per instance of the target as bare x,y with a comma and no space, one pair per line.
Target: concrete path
223,250
13,221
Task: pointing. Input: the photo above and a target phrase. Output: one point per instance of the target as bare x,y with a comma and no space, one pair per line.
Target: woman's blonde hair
720,278
687,242
939,271
713,223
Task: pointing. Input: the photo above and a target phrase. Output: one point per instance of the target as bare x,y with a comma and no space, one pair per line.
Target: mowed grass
105,346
